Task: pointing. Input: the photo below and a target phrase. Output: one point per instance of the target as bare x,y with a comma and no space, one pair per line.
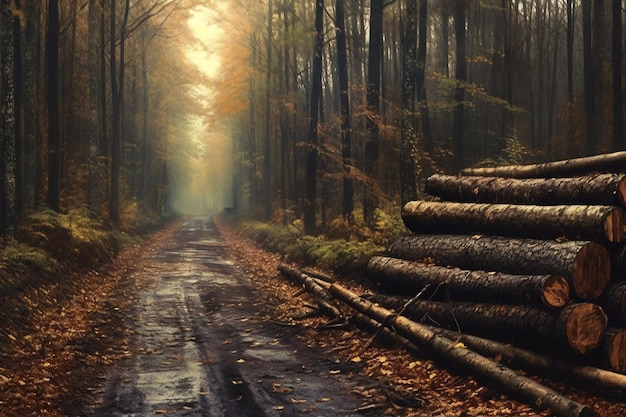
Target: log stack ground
535,262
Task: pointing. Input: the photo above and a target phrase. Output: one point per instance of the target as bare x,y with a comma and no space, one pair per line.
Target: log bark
614,349
319,275
321,295
595,189
613,301
575,222
586,265
580,326
611,162
617,253
509,381
527,360
465,285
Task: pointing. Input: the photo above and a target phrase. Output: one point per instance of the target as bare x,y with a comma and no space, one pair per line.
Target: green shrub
339,255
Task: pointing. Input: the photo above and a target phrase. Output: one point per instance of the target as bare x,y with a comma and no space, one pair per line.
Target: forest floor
195,323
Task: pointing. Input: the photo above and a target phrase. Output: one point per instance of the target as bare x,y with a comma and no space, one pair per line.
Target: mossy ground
344,247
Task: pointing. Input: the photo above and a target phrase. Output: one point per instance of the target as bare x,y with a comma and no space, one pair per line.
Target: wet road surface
203,345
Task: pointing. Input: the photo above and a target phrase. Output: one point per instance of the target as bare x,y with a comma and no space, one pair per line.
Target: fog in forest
295,109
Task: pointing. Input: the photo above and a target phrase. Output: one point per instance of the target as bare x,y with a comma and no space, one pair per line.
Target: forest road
203,345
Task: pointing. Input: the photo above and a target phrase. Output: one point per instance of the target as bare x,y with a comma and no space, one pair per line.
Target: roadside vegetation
343,248
49,253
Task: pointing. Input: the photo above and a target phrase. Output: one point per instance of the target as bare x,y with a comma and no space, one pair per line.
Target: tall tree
7,122
344,98
421,76
461,78
93,53
408,189
374,66
589,80
267,149
54,127
616,66
310,207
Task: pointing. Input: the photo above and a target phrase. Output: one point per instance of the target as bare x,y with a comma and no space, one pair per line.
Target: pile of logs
537,262
519,263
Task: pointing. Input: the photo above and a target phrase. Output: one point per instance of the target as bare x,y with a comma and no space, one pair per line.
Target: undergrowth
344,247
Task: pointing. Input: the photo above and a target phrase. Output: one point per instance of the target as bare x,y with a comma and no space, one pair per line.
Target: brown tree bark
580,326
575,222
408,277
310,208
541,364
614,349
586,265
613,301
610,162
595,189
507,380
323,299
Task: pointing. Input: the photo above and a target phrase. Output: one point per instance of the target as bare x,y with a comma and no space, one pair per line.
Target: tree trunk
576,222
267,148
509,381
370,198
421,77
586,265
310,208
537,363
589,80
596,189
408,185
610,162
19,87
616,66
54,127
94,107
321,295
409,277
7,123
613,301
459,91
344,98
580,326
614,349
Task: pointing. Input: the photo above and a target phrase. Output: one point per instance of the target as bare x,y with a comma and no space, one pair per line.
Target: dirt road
203,345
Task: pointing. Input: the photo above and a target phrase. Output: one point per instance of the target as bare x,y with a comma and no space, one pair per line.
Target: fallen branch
319,275
537,363
509,381
321,296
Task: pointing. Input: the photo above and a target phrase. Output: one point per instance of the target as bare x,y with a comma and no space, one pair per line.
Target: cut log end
586,324
616,351
556,292
591,271
614,224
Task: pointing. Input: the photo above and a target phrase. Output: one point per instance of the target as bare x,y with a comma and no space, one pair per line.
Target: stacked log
523,253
